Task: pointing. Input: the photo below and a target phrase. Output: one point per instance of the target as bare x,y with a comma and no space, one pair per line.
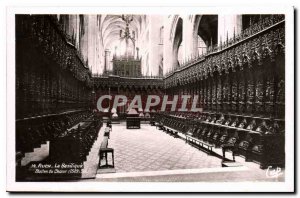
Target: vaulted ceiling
110,26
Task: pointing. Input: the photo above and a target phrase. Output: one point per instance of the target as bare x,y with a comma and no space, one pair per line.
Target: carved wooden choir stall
241,89
53,93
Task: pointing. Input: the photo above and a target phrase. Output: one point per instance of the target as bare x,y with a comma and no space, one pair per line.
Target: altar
133,121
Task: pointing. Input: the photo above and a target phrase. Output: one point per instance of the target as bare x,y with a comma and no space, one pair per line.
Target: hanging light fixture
127,34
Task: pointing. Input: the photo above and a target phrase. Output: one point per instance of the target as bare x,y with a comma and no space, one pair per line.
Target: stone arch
206,27
176,41
196,22
173,27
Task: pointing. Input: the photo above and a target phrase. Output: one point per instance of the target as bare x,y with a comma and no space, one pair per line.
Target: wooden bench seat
173,132
104,150
152,123
107,132
104,143
199,142
160,126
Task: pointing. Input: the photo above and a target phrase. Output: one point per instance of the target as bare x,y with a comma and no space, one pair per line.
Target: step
231,164
38,154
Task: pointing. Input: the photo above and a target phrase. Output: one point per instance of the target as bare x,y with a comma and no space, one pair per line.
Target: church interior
234,63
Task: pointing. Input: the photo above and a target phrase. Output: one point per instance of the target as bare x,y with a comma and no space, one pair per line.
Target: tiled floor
148,149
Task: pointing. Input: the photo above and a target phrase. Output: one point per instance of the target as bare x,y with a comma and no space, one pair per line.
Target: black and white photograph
103,99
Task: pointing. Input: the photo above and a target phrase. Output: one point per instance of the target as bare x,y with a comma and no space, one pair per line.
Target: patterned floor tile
149,149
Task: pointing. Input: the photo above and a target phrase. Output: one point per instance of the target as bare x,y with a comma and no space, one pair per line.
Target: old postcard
150,99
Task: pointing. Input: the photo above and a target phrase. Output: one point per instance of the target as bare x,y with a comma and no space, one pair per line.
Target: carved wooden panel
226,93
242,92
250,92
219,93
234,92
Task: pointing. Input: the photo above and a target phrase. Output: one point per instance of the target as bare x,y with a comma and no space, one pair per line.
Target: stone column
137,53
154,38
187,38
167,47
106,63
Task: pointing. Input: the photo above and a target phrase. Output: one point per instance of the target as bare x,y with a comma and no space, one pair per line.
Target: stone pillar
92,32
84,38
106,63
167,49
154,38
74,22
187,38
137,53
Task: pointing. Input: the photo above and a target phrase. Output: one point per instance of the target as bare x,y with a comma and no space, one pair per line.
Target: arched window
201,46
207,29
